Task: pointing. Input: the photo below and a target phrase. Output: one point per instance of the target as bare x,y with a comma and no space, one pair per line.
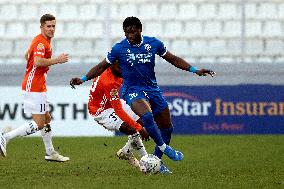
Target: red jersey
35,77
104,94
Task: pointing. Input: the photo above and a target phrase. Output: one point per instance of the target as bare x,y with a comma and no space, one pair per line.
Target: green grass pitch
216,161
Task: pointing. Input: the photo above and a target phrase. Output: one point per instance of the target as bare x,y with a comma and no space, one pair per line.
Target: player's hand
144,134
62,58
205,72
75,81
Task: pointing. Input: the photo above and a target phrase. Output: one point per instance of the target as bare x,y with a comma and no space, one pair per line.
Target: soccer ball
150,164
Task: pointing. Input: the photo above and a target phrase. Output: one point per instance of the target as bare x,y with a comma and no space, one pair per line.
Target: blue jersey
137,63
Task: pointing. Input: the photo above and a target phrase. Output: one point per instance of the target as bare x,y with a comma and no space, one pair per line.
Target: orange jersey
35,77
104,94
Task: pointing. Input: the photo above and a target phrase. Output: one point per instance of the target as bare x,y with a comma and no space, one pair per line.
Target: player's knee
126,129
47,118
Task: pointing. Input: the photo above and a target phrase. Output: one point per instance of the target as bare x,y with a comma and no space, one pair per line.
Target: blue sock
151,127
166,135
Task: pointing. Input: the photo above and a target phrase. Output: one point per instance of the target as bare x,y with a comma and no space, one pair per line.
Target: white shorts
35,102
109,120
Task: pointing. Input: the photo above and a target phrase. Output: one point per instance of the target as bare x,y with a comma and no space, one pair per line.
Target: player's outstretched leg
3,143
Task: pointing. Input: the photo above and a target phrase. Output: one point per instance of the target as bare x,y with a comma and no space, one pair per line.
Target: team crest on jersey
114,94
40,46
147,47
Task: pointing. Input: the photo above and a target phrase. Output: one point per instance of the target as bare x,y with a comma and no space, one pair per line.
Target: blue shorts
155,98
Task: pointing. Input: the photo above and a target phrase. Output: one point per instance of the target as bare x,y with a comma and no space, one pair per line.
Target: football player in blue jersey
136,54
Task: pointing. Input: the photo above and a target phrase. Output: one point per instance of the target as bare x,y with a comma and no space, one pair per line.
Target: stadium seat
15,29
28,11
187,11
8,12
233,47
126,10
6,47
87,11
180,47
212,28
267,10
47,9
63,46
232,29
253,28
198,47
272,28
274,46
251,11
94,29
2,29
207,11
254,46
21,47
67,12
217,47
148,11
193,29
74,29
167,8
229,11
173,29
153,28
83,47
281,10
116,30
33,29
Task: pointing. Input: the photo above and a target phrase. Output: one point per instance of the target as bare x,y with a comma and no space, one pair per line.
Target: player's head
47,25
116,69
132,28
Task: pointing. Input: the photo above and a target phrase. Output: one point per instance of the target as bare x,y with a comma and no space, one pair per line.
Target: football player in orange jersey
114,114
34,90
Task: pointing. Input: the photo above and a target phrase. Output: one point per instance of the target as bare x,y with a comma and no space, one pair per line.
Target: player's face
48,29
133,34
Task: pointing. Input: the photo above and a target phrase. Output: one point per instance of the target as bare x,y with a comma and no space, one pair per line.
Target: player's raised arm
44,62
92,73
182,64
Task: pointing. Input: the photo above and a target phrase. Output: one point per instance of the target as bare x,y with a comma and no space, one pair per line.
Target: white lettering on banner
68,108
179,107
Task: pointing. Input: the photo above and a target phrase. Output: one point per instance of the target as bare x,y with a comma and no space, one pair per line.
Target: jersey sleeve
113,54
113,95
161,48
39,49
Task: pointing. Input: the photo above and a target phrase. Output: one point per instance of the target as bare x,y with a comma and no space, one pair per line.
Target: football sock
162,147
46,134
166,135
23,130
138,145
151,127
126,149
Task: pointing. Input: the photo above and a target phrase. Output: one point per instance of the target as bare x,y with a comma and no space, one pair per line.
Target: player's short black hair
132,21
46,17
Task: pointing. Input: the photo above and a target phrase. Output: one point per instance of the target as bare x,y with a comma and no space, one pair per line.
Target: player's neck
47,38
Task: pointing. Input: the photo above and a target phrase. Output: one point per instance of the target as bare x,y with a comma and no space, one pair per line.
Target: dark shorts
155,98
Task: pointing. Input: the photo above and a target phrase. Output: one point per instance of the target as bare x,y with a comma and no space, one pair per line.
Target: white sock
23,130
46,134
127,148
163,147
138,145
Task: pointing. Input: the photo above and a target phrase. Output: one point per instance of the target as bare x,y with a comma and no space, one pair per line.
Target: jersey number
42,107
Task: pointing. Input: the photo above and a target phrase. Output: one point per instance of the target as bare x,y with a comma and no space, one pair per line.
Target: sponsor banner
240,109
68,110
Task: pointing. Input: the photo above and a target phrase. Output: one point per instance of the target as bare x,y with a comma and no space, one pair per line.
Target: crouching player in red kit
113,113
